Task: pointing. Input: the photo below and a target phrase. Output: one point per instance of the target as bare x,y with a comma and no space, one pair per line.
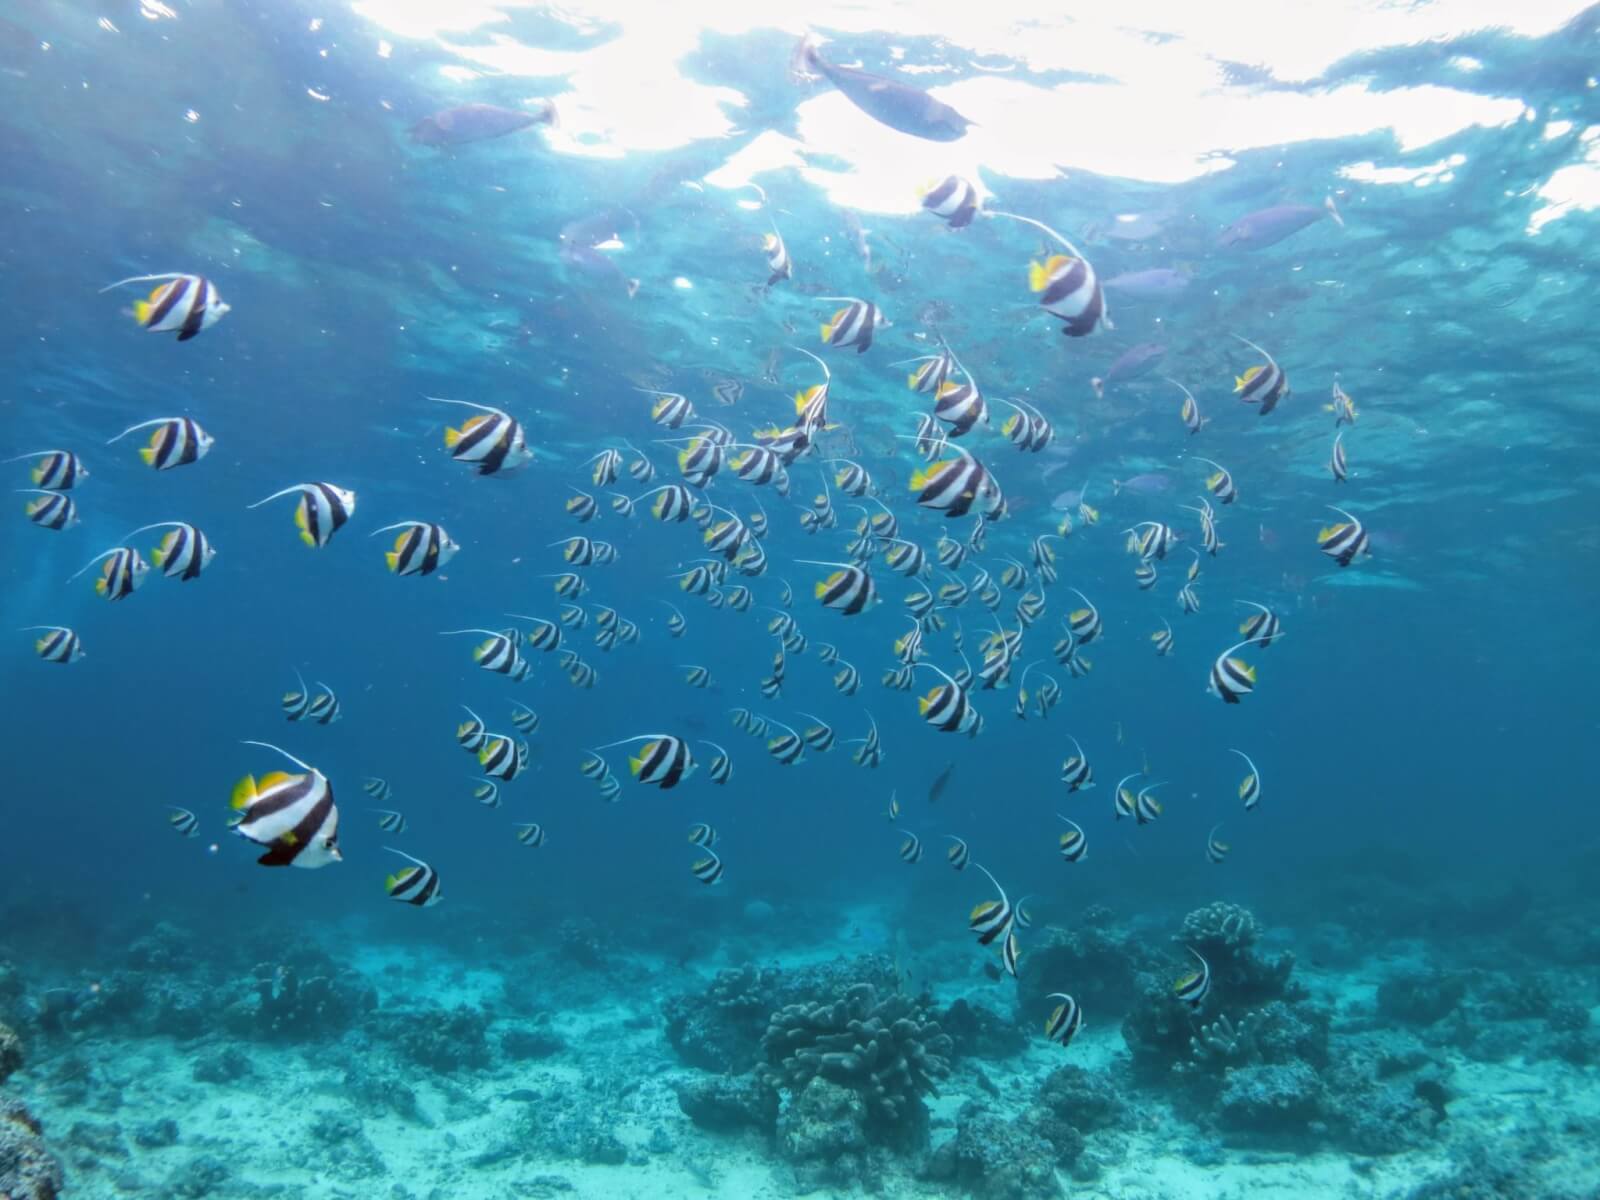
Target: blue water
1423,721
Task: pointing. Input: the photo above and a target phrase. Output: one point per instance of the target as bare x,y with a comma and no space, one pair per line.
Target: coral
1089,1100
889,1050
1095,961
1384,1093
978,1032
823,1131
1275,1033
1225,935
304,1000
197,1178
439,1039
994,1158
1267,1099
1220,928
1420,997
522,1044
28,1171
723,1103
11,991
10,1053
156,1135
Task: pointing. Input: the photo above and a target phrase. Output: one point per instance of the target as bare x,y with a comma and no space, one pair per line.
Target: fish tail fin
827,331
141,311
147,454
1038,276
451,438
392,558
1333,211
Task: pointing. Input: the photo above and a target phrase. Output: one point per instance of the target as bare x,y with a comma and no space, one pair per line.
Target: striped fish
122,570
390,821
417,885
491,443
1193,989
663,760
421,548
179,303
852,325
953,200
1069,290
293,816
52,510
183,552
992,920
1220,482
1074,844
176,442
531,835
323,509
1345,541
1216,849
1076,772
1162,639
183,821
848,590
378,789
911,849
58,645
707,870
1250,785
1261,384
1262,626
1337,466
56,470
502,758
1232,677
1062,1025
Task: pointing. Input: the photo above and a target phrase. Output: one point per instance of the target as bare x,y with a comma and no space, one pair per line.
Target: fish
1189,410
1157,283
525,719
1216,850
1075,771
1269,226
530,835
1130,364
1062,1025
417,885
184,822
848,590
941,782
673,503
958,855
707,870
582,506
1345,541
911,849
946,707
898,105
1074,843
1145,574
1027,428
583,244
324,707
471,734
1193,988
1009,953
497,652
1262,626
1152,539
720,769
1220,482
56,470
421,547
1208,526
323,510
893,811
491,443
1146,808
1126,801
377,788
1250,785
695,676
992,920
1232,677
180,303
293,816
852,325
663,760
1162,639
1187,599
390,821
58,645
52,510
779,265
676,623
787,747
953,200
486,792
818,736
1068,290
1261,384
176,442
122,571
477,122
1084,623
846,680
1338,467
503,758
701,834
951,485
1342,407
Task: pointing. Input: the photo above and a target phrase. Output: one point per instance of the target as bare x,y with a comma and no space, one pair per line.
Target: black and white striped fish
56,470
1232,677
293,816
323,509
1084,623
953,200
1162,639
324,707
703,835
1193,988
421,548
663,760
779,266
471,734
1250,785
1189,411
1076,772
852,325
378,789
1345,541
606,465
183,821
1337,466
870,751
486,792
1208,528
183,552
1263,384
179,303
958,855
1220,482
525,719
52,510
58,645
788,747
417,885
1062,1025
176,442
992,920
122,570
1187,599
1216,849
707,870
848,590
947,707
911,849
720,769
503,758
1262,626
491,443
1069,290
1074,843
582,507
530,835
952,485
390,821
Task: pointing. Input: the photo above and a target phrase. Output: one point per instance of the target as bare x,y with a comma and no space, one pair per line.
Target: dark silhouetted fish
477,122
936,789
897,105
1132,363
1269,226
1153,284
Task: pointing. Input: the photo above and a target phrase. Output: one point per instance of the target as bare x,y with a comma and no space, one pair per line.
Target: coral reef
1098,962
994,1158
10,1053
726,1103
889,1050
1420,997
442,1040
823,1133
979,1032
28,1171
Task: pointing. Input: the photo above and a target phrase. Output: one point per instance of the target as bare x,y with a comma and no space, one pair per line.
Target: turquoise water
1423,843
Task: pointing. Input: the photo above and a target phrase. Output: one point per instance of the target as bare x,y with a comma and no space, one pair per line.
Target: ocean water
1399,947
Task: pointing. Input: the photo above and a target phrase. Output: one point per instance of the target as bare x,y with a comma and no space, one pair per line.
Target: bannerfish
478,122
1269,226
1130,364
897,105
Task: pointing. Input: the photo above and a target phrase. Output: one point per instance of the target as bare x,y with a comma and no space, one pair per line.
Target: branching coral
889,1050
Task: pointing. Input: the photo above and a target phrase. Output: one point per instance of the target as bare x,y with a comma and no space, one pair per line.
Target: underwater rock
978,1032
724,1103
1101,960
822,1130
1420,997
1269,1098
441,1040
227,1065
1385,1093
96,1141
580,942
28,1171
166,948
10,1053
993,1157
523,1044
197,1178
378,1094
1072,1102
12,990
889,1051
156,1135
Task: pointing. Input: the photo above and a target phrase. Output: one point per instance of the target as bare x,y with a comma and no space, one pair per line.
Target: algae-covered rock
993,1157
727,1103
28,1171
1270,1098
823,1130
